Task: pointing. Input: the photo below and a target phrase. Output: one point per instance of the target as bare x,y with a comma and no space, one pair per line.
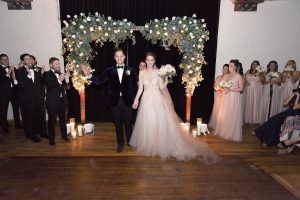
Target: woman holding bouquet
253,92
271,104
230,120
157,130
218,96
289,77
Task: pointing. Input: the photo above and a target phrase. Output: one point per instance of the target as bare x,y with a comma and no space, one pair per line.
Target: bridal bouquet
225,84
167,71
259,69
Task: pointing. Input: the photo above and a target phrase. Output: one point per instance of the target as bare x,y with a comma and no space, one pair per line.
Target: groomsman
56,100
6,90
41,96
30,80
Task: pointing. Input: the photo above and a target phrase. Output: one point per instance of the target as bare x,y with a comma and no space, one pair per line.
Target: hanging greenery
188,34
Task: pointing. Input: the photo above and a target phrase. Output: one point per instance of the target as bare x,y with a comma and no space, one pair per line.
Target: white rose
84,31
194,15
109,18
180,22
99,28
105,34
173,18
184,18
115,31
202,20
146,26
166,34
156,20
73,36
75,16
81,54
105,22
81,27
74,23
156,25
96,13
174,28
167,18
91,29
195,21
68,16
125,20
165,28
150,31
157,32
204,25
97,20
88,19
81,14
114,23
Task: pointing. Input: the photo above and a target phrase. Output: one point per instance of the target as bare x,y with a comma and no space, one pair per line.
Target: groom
122,90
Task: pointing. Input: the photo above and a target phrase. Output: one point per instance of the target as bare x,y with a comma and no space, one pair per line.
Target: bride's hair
150,54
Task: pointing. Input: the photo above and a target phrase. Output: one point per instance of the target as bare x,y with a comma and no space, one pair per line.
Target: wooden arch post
82,106
188,108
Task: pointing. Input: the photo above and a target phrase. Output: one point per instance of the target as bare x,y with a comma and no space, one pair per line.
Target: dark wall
140,12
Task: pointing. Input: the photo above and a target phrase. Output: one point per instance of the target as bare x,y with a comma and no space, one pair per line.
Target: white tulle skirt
157,132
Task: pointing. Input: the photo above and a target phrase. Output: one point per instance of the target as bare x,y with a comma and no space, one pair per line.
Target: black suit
121,97
32,96
15,103
56,103
6,91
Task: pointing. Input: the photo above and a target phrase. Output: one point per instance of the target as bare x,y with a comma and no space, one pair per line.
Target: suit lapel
125,68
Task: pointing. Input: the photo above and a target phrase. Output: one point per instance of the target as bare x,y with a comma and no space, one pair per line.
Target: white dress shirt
120,74
31,75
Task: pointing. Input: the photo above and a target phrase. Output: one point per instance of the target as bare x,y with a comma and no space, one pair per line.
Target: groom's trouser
122,114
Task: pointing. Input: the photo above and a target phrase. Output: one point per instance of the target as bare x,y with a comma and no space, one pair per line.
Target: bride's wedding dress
157,130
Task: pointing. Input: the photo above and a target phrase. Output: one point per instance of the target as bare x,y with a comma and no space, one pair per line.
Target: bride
157,130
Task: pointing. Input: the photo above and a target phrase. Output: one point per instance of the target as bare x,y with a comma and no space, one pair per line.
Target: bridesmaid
289,78
229,120
218,95
271,104
240,70
253,92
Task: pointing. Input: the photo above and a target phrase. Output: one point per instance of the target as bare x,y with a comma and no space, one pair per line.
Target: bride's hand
135,104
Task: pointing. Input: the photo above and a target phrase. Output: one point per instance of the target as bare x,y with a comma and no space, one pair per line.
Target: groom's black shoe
120,148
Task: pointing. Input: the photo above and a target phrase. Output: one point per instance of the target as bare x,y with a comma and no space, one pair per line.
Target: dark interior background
140,12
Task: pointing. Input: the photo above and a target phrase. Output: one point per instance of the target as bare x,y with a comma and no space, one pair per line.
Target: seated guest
290,134
56,101
269,132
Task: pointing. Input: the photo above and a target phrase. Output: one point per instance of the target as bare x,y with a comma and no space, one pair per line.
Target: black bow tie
6,67
57,72
120,67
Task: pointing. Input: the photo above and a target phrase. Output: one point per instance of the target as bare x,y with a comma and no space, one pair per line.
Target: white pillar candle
194,131
74,134
79,130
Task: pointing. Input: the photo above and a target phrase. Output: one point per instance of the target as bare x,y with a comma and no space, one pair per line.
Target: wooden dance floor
89,168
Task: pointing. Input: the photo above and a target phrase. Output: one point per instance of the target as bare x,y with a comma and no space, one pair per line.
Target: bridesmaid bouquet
167,71
289,69
259,69
273,75
225,84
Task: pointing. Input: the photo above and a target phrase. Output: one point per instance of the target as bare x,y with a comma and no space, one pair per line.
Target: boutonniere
36,69
127,72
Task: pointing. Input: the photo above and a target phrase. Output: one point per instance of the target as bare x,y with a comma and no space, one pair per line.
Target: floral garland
80,31
188,34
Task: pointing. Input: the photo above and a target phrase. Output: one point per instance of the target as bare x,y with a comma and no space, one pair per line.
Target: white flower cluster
167,71
259,69
225,84
289,69
273,75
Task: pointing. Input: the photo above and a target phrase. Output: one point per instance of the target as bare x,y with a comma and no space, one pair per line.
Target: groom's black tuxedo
128,86
121,90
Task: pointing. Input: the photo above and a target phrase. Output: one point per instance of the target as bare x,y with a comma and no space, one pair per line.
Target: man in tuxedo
41,95
14,100
6,90
122,91
56,100
30,80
